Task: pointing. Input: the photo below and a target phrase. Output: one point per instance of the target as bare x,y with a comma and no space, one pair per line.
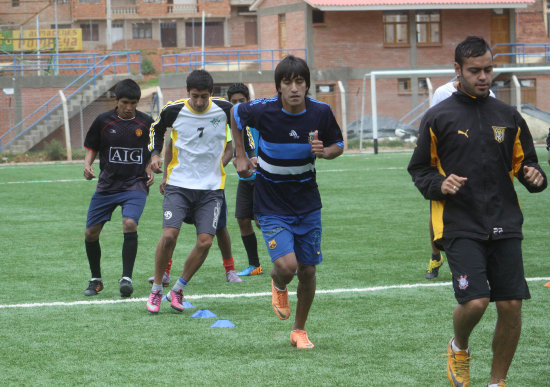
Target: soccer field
375,321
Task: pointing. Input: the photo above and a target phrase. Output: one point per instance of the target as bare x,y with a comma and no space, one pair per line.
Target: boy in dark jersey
120,137
294,130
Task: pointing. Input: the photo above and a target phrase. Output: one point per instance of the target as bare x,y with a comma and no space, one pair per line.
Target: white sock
455,348
492,385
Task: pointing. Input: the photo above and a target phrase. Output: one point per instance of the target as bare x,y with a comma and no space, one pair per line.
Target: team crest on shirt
499,133
272,244
463,282
215,122
139,132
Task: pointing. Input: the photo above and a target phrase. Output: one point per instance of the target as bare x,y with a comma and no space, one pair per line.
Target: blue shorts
298,234
103,204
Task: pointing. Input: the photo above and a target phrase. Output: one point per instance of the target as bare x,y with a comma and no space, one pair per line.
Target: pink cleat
153,303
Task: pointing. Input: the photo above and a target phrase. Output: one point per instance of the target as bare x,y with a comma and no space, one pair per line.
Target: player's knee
306,272
204,241
129,225
478,305
92,234
510,310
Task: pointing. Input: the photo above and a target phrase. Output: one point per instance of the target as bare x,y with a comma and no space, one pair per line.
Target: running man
195,179
121,137
244,206
294,130
469,149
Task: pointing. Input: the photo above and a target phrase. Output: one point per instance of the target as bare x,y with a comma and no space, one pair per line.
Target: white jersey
198,143
445,91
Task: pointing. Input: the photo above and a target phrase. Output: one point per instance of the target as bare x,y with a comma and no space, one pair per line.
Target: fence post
66,125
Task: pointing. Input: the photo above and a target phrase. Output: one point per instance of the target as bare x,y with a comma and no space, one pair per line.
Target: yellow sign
70,39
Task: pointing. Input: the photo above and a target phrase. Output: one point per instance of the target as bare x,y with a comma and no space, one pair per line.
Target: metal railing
524,53
228,60
106,65
47,63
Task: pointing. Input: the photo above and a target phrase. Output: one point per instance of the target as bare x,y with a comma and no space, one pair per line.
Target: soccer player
121,137
442,92
195,179
244,207
470,147
294,130
224,240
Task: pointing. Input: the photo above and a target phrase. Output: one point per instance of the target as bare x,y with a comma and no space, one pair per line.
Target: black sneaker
94,287
126,288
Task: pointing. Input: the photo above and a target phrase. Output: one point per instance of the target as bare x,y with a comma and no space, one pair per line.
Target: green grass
374,235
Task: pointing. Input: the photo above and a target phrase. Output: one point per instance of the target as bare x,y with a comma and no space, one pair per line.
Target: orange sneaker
458,366
279,300
299,339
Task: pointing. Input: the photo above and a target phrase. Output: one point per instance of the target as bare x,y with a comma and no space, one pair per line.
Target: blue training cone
186,304
222,324
203,313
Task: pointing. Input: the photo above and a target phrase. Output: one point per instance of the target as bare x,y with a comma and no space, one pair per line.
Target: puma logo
464,133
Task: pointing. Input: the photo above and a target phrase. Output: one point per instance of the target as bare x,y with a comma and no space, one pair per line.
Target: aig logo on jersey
499,133
125,155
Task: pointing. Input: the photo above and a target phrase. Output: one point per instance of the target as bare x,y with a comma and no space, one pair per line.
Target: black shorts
245,200
486,269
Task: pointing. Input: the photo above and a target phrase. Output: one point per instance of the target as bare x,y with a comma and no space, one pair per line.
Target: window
428,27
60,26
404,86
90,32
142,30
15,3
250,32
396,28
88,1
213,34
318,17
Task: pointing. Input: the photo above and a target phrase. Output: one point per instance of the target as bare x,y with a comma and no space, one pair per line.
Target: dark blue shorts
103,204
298,234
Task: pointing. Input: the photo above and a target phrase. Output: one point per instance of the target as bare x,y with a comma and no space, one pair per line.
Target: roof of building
392,5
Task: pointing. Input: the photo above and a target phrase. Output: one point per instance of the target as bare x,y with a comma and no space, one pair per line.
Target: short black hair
238,88
127,88
471,47
291,67
200,80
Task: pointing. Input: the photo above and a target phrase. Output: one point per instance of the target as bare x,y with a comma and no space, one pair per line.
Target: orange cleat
299,339
279,300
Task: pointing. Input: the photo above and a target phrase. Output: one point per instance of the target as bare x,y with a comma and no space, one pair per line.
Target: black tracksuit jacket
487,141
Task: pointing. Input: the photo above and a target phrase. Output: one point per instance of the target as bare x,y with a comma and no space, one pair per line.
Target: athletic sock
129,252
455,348
251,246
156,287
167,271
93,251
493,385
229,264
180,284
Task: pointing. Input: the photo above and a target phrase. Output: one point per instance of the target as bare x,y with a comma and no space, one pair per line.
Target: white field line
228,174
242,295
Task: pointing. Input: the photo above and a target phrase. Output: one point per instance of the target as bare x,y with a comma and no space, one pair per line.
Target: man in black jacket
469,149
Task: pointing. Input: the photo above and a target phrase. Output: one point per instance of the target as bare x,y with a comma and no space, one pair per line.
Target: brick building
342,39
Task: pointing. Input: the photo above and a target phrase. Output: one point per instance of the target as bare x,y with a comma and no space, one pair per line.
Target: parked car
388,127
